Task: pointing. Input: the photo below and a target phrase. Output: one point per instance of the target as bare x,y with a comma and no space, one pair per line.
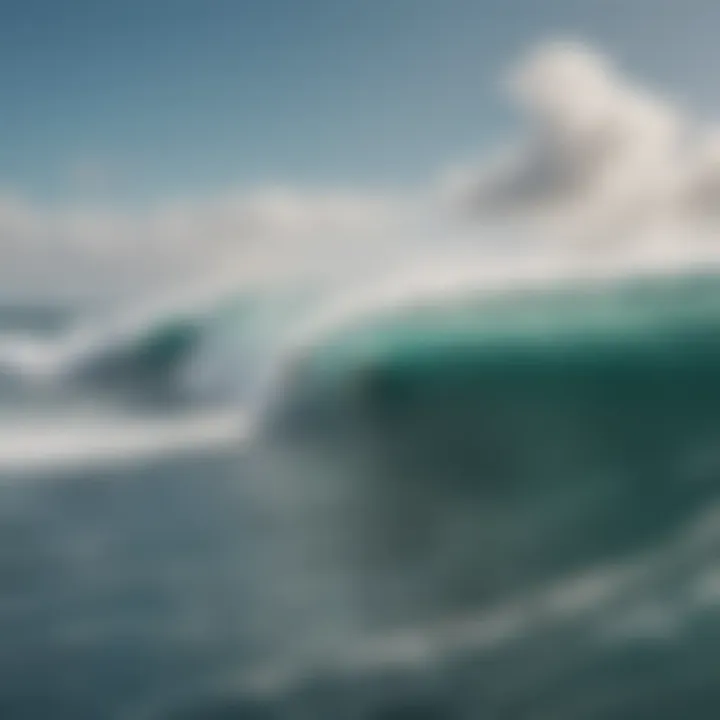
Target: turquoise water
514,443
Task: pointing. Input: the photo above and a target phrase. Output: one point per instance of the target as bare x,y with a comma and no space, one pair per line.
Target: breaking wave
489,478
254,349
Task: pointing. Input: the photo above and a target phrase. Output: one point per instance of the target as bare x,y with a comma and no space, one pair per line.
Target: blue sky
177,98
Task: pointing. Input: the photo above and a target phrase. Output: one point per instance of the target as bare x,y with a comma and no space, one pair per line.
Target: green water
511,440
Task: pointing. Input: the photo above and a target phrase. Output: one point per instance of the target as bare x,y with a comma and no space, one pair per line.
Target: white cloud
89,248
600,157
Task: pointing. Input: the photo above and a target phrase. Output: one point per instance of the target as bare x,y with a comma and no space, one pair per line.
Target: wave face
537,432
477,453
472,504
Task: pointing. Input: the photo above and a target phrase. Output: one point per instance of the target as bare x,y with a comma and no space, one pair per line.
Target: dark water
120,586
505,510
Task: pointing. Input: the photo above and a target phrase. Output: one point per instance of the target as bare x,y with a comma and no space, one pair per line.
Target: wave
526,478
502,457
486,444
280,352
141,348
492,307
224,326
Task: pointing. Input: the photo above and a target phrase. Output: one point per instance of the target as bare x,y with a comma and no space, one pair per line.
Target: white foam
440,280
63,444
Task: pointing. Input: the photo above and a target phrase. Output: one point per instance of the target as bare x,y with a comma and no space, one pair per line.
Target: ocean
478,499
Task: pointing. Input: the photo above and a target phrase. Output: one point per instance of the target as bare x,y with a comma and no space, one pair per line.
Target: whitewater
458,487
